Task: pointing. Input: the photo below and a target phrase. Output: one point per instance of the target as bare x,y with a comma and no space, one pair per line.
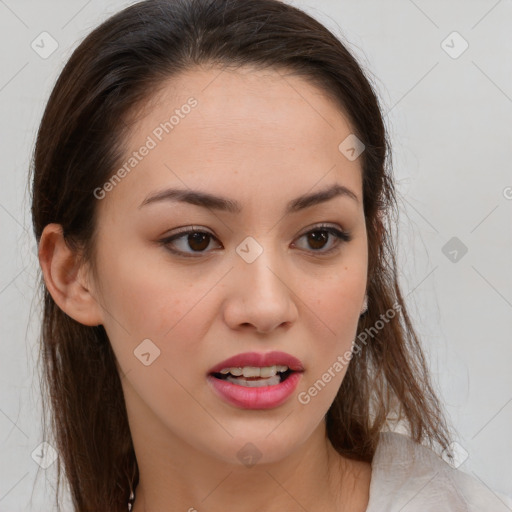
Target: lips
259,359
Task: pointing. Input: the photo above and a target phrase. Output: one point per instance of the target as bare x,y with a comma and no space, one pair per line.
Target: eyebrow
207,200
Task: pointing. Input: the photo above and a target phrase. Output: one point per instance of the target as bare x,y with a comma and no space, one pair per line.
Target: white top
410,477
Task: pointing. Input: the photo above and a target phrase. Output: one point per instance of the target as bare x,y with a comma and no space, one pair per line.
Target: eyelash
341,236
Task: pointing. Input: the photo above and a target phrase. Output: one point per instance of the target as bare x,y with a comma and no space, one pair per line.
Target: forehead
243,130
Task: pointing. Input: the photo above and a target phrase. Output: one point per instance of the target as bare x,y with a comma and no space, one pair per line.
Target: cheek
335,307
334,293
169,307
141,293
337,302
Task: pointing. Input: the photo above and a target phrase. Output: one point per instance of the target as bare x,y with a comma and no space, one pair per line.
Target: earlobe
62,276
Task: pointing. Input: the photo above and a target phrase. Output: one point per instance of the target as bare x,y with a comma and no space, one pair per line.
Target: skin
260,139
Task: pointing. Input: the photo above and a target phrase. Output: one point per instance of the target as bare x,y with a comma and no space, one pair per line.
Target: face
271,276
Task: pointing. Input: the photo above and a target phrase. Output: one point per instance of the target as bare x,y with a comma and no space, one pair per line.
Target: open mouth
255,386
245,376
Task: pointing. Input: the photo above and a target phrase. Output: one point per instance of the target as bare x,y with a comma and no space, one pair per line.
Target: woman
223,326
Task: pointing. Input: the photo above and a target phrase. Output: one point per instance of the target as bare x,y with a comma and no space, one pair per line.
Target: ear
63,278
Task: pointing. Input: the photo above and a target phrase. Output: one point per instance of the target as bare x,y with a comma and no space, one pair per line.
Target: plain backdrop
443,73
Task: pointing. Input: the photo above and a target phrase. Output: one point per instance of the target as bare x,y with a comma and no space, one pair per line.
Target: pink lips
259,359
265,397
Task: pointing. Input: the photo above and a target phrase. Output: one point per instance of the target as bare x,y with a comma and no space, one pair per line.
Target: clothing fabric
411,477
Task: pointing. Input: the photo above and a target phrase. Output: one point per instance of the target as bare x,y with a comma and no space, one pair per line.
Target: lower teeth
240,381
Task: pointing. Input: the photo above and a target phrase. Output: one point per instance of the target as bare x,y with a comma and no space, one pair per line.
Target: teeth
271,381
267,371
254,371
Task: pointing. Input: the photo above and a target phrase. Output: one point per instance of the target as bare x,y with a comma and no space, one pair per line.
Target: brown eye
188,242
196,241
319,237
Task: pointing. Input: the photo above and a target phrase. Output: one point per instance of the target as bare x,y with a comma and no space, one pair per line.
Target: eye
199,241
318,237
194,239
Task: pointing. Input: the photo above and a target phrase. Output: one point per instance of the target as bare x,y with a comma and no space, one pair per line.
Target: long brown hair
110,75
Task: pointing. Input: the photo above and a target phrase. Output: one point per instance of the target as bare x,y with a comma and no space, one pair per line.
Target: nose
260,295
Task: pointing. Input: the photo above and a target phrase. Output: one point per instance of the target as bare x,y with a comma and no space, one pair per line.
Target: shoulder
411,477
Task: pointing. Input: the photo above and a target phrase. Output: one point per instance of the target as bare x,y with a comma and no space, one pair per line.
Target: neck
314,477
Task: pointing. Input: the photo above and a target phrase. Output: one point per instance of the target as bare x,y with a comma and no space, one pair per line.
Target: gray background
450,122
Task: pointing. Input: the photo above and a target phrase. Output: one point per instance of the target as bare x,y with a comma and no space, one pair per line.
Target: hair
115,71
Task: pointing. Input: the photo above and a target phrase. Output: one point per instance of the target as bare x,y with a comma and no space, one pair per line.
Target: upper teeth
254,371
